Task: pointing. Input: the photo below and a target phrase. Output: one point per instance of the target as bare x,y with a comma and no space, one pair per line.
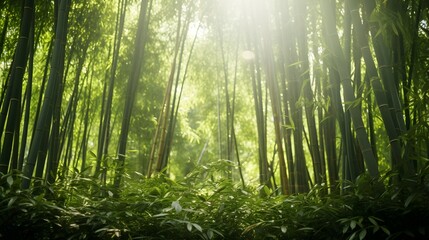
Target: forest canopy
280,96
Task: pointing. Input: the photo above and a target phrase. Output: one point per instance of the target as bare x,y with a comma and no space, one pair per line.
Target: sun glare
248,55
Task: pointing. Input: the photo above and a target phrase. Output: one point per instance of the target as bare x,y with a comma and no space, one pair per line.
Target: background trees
287,94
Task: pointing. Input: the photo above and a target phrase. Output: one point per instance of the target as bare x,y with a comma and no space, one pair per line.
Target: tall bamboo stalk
57,67
334,46
104,133
380,94
12,103
135,74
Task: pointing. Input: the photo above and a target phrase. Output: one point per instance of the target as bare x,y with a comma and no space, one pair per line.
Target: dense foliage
234,119
199,208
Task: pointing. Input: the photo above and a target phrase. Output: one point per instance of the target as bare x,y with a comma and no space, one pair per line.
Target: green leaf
395,195
385,230
198,227
209,234
101,230
284,229
217,232
376,228
189,226
267,190
160,215
251,227
345,228
12,201
9,180
362,234
352,236
202,198
353,224
306,229
176,206
409,199
373,221
92,154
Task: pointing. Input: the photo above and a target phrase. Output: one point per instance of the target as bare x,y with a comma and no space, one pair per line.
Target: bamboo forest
214,119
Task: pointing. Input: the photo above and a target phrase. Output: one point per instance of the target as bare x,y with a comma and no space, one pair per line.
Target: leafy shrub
199,207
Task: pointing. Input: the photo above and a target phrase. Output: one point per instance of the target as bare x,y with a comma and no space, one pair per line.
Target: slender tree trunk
27,102
390,120
132,84
272,84
55,78
300,10
175,101
254,68
103,143
12,103
165,119
86,122
333,44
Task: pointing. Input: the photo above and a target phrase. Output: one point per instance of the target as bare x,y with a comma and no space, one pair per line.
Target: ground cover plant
214,119
200,208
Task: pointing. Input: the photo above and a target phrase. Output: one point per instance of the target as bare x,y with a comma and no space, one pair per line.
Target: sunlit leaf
160,215
176,205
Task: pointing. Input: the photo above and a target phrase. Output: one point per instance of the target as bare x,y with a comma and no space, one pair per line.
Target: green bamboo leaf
12,201
9,180
202,198
160,215
394,195
92,154
306,229
284,229
385,230
352,236
362,234
353,224
176,206
345,228
372,220
409,199
251,227
101,230
198,227
209,234
189,226
267,190
375,229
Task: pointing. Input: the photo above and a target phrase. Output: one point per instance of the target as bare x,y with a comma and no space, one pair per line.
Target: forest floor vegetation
199,207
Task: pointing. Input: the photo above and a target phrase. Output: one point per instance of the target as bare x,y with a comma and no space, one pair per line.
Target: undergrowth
199,207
